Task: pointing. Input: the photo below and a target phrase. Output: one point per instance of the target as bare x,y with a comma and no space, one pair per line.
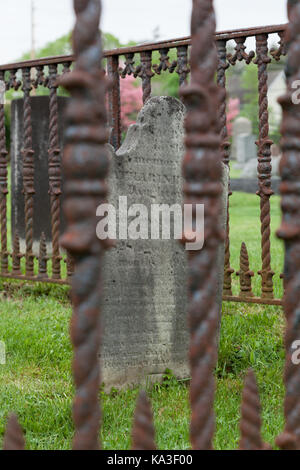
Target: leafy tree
249,83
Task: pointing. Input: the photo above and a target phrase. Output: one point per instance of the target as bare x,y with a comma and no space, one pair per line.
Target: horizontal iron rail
252,300
170,43
21,277
226,298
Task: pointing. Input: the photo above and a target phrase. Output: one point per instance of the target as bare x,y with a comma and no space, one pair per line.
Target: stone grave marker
241,125
145,281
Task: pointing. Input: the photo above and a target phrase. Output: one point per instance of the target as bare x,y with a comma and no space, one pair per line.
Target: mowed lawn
36,381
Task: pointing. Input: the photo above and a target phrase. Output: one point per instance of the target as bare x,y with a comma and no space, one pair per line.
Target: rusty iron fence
86,162
134,61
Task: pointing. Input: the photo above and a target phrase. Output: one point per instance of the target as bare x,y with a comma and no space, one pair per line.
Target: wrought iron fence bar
114,101
289,231
28,171
252,300
264,165
85,166
3,188
156,46
54,164
203,187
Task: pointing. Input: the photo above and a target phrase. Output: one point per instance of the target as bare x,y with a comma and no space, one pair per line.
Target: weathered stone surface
145,281
246,149
241,125
250,168
250,185
40,142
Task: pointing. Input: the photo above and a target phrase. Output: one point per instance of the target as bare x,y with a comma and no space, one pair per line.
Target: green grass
234,173
36,381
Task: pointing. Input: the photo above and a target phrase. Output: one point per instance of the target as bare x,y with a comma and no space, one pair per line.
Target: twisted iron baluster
129,68
240,52
264,165
182,64
54,172
281,51
245,274
3,188
145,73
250,424
28,171
43,258
16,255
225,154
85,166
143,433
202,173
289,230
164,62
114,101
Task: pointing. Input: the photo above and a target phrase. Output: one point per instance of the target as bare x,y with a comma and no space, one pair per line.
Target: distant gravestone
250,169
40,144
246,149
241,125
145,281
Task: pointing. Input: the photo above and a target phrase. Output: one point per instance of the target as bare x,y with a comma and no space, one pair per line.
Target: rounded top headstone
242,125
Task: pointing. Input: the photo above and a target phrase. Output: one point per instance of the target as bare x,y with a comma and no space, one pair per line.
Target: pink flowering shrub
233,110
131,101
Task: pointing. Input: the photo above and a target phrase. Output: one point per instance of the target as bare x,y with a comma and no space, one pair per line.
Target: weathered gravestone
145,281
40,144
246,149
241,125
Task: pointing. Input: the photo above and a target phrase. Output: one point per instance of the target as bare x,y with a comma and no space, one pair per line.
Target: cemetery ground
36,381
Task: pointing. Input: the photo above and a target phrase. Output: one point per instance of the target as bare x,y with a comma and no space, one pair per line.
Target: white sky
126,19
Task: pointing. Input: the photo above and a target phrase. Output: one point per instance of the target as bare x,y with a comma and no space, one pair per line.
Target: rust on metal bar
164,62
156,46
28,172
16,255
202,185
70,265
264,165
182,69
114,101
12,81
40,79
245,274
129,68
251,300
144,71
250,424
240,52
43,258
143,432
85,166
3,188
281,50
20,277
54,169
289,230
13,438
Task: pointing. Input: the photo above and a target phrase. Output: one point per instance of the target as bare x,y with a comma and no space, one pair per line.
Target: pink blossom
131,100
233,110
